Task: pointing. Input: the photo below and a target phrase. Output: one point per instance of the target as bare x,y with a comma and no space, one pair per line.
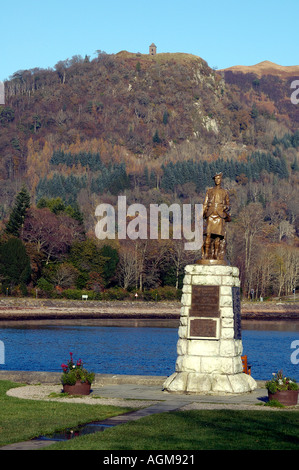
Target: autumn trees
145,107
262,242
157,131
33,237
265,249
51,235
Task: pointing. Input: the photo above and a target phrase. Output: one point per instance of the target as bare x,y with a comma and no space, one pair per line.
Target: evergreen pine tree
295,166
17,216
111,258
14,264
156,138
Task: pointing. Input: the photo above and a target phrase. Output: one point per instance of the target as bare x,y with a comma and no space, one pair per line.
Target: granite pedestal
209,347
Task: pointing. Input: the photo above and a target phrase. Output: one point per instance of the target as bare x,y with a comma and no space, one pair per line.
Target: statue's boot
216,248
207,249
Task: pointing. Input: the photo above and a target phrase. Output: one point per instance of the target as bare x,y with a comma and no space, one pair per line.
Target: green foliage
74,371
44,285
82,280
7,115
111,261
96,265
22,420
57,206
295,165
288,140
279,382
85,159
223,430
156,138
14,264
113,179
162,293
66,187
201,172
254,112
165,117
76,294
86,256
17,216
274,404
115,293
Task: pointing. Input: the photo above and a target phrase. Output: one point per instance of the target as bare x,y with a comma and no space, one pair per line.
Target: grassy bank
21,420
197,430
189,430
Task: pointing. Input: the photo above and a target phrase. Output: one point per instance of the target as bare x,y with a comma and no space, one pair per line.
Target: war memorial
209,347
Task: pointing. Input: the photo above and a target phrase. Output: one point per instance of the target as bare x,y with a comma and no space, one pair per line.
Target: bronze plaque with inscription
202,327
205,301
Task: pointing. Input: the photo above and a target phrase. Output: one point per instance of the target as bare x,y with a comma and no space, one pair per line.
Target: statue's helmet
217,174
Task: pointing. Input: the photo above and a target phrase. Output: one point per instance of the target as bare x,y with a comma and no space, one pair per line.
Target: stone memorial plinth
209,347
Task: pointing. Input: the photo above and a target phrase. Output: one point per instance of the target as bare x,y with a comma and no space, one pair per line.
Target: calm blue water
132,350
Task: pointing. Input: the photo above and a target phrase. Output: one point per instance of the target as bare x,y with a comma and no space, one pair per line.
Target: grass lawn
22,420
189,430
198,430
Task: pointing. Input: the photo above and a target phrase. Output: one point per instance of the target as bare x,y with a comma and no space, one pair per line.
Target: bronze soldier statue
216,212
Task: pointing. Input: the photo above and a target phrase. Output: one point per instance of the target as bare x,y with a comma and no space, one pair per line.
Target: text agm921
153,458
2,353
295,94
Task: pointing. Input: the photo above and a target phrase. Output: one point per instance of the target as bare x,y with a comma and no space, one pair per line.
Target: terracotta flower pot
78,389
285,397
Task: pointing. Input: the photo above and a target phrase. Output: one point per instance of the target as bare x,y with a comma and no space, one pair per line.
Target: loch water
136,348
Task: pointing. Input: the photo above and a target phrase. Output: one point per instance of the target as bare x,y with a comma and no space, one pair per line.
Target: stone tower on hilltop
153,49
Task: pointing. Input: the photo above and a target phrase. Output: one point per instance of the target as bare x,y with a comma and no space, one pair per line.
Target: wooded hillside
155,128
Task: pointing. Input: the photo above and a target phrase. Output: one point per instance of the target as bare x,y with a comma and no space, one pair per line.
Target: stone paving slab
155,392
28,445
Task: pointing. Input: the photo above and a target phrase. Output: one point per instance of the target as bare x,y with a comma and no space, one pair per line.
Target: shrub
44,285
115,293
162,293
76,294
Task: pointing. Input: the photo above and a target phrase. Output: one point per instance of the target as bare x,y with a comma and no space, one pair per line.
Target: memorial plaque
237,312
203,328
205,301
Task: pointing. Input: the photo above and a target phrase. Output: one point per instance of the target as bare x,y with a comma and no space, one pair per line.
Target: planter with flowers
283,389
76,380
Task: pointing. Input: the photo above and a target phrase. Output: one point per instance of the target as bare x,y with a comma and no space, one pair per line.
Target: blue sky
40,33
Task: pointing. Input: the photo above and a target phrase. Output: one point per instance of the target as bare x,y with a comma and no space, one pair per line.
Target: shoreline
23,309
